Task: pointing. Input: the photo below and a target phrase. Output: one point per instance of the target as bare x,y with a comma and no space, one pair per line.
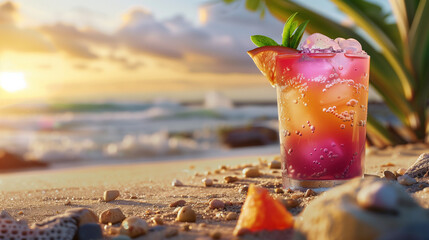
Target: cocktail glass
322,104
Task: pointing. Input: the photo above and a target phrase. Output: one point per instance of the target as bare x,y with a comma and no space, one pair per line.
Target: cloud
15,38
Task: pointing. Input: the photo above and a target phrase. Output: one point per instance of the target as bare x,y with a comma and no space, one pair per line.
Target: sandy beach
146,190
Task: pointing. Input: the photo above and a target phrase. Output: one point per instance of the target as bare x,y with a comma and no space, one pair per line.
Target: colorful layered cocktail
322,97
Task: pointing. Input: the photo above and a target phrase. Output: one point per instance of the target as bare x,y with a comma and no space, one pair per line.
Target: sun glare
12,81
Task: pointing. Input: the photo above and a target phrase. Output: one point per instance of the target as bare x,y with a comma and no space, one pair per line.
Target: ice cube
318,42
349,45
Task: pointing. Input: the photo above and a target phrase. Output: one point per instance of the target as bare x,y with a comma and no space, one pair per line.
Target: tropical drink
322,98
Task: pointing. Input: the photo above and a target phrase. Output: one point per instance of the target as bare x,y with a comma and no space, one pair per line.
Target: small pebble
406,180
275,164
113,215
171,232
231,216
67,203
290,203
378,196
110,195
230,179
401,171
178,203
426,190
157,220
297,195
289,190
278,190
176,183
251,172
217,171
186,227
186,214
274,171
215,235
20,212
134,227
207,182
389,164
217,204
244,189
309,193
389,175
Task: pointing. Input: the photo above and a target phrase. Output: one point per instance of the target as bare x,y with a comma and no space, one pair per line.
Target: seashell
379,196
420,168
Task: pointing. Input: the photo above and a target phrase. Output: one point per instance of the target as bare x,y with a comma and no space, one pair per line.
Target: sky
133,49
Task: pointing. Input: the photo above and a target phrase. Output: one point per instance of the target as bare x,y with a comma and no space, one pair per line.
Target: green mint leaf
287,30
296,38
293,27
261,41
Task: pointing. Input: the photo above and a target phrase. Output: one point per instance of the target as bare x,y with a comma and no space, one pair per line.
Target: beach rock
251,172
90,231
216,203
231,216
215,235
83,215
418,231
248,136
176,183
406,180
337,214
309,193
230,179
275,164
113,215
157,220
207,182
134,227
186,214
278,190
244,189
419,168
11,161
389,175
110,195
378,196
290,203
178,203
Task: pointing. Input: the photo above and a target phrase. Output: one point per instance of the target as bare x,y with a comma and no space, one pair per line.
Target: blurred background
94,82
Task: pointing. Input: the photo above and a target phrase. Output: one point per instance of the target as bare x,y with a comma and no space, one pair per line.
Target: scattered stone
244,189
426,190
67,203
171,232
134,227
217,204
110,195
275,164
215,235
401,171
186,227
20,213
186,214
310,193
90,231
290,203
113,215
278,190
420,168
251,172
133,197
297,195
379,197
217,171
207,182
337,214
289,190
389,175
274,171
157,220
176,183
406,180
178,203
231,216
230,179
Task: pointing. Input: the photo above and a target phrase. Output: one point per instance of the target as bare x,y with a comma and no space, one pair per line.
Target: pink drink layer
322,102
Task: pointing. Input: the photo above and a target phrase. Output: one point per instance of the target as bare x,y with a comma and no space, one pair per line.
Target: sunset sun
12,81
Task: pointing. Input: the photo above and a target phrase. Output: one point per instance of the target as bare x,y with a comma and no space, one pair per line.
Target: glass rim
322,55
